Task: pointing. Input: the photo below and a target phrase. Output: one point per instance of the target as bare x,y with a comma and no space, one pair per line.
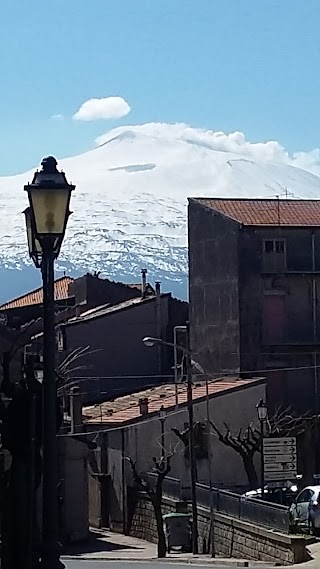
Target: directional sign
280,458
288,466
279,450
281,441
279,476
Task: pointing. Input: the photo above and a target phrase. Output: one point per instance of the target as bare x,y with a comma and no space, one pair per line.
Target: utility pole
193,466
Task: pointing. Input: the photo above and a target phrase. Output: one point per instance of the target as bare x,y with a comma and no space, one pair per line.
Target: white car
305,510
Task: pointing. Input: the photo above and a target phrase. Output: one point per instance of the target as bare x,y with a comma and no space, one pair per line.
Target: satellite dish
3,319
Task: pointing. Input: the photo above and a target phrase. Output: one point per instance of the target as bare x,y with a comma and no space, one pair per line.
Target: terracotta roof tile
61,287
126,408
267,211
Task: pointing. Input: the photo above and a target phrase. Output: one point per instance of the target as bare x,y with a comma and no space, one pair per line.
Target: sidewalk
105,545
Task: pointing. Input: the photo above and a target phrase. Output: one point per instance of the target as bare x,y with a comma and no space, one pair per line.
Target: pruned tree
161,467
200,441
247,442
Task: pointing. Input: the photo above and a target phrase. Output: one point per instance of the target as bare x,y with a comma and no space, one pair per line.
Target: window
274,255
268,246
304,497
274,246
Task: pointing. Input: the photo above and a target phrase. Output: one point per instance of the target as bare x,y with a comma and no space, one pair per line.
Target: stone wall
231,537
236,538
143,523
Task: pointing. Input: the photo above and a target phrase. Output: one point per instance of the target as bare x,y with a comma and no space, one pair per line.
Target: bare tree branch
139,479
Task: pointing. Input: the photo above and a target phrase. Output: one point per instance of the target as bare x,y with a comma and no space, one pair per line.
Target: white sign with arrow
280,458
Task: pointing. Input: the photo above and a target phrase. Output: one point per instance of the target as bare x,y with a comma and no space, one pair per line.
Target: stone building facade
254,285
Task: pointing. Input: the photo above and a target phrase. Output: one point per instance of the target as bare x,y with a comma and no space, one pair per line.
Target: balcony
277,263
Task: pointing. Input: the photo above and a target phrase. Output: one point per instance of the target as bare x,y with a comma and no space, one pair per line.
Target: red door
274,318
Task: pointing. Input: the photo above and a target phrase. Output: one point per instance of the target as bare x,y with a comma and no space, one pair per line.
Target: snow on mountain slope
130,201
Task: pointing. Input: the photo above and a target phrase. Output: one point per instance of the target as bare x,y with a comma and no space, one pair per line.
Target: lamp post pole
46,219
193,466
162,416
262,413
262,458
150,342
50,553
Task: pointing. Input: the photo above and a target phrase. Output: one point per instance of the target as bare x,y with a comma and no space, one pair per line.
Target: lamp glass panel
262,412
50,208
34,245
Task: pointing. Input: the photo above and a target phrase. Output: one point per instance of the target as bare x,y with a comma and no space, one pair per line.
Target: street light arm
149,341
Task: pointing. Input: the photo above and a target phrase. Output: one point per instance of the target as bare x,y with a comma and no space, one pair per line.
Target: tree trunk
161,537
251,472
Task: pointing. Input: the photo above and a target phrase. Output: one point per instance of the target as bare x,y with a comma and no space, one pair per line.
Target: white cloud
57,117
234,142
105,108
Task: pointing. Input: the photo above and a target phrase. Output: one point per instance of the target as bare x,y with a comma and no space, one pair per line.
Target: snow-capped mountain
131,193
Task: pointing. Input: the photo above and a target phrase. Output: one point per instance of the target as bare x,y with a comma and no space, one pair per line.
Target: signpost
280,459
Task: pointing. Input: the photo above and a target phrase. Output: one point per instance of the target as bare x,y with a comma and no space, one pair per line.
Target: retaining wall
230,537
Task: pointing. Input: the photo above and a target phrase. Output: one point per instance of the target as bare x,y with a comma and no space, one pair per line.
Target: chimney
158,287
144,405
144,282
75,409
158,322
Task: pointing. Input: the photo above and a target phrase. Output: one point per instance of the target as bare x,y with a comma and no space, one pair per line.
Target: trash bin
177,529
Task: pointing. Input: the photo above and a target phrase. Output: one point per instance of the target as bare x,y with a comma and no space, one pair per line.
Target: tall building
254,285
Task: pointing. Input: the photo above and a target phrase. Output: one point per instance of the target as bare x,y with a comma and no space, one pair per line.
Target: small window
279,246
274,246
268,246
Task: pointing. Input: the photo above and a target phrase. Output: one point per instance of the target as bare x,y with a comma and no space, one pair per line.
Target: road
137,565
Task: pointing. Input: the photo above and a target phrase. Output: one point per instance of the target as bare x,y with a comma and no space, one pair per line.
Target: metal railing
252,510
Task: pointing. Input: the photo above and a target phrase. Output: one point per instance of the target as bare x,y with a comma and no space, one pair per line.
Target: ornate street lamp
46,219
262,413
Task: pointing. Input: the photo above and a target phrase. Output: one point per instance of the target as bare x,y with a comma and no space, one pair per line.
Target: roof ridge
265,212
276,200
34,291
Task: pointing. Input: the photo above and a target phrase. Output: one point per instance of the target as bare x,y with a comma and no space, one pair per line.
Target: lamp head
162,412
262,410
149,342
49,197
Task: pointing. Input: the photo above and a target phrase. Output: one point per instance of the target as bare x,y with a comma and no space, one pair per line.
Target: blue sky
228,65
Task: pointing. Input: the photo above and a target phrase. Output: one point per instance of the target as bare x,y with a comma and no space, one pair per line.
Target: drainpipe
158,326
211,538
124,486
314,323
175,363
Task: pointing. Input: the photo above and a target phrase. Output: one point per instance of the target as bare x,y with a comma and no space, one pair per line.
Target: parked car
305,510
281,495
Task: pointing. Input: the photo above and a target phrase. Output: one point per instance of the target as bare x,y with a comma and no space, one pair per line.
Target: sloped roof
105,309
126,408
272,212
61,287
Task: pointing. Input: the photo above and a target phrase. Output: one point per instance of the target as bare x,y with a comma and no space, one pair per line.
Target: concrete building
131,427
28,307
116,360
254,286
21,318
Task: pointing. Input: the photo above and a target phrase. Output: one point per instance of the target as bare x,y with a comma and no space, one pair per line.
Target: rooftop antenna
288,194
278,209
